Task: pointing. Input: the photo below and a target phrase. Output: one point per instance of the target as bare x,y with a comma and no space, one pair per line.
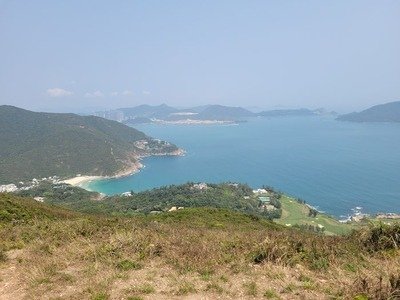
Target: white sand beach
79,180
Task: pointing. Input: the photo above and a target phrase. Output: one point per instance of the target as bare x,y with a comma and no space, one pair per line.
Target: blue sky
89,55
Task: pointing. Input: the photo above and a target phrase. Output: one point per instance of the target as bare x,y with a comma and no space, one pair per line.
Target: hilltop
389,112
35,144
49,252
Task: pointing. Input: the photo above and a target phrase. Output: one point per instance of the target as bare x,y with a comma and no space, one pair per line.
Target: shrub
381,237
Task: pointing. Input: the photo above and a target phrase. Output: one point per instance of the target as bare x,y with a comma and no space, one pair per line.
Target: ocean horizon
334,166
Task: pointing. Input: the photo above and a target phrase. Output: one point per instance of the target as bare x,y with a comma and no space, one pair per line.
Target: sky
83,56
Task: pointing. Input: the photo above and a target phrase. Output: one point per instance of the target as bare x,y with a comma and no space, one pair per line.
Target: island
389,112
199,115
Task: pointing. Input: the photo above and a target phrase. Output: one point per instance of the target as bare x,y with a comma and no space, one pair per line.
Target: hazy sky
88,55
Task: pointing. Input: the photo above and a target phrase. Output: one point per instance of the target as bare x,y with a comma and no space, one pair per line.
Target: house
264,199
260,191
200,186
39,199
8,188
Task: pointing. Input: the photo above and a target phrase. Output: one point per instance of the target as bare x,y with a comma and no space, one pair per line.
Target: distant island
207,114
37,145
389,112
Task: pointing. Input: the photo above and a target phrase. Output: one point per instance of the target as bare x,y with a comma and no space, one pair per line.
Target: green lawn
297,213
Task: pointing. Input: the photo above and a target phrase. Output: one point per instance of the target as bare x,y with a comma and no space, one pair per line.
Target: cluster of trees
301,201
274,197
226,195
312,212
272,214
61,193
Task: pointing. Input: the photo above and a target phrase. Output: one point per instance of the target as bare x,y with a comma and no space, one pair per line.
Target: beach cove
335,166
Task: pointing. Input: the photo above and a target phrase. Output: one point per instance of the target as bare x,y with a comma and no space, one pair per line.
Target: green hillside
46,144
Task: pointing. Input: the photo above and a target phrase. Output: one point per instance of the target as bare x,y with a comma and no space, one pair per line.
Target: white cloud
58,92
145,92
127,93
95,94
114,94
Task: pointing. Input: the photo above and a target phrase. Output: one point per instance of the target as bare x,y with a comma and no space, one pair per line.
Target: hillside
389,112
265,203
46,144
50,253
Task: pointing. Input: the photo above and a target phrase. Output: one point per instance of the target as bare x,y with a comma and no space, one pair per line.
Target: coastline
80,180
193,122
130,169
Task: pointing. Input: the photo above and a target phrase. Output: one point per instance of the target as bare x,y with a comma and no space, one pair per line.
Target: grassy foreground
47,252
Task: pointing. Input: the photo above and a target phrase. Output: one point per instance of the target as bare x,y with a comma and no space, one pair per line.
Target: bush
381,237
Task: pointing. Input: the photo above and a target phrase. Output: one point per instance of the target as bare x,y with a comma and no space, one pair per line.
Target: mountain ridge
36,144
200,114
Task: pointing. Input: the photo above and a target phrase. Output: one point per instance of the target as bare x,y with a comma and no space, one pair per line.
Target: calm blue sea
333,165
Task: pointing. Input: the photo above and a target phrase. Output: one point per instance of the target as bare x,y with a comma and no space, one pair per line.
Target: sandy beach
130,169
79,180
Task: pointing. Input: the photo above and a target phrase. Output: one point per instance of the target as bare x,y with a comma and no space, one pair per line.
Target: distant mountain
165,113
148,111
389,112
287,112
206,114
219,112
45,144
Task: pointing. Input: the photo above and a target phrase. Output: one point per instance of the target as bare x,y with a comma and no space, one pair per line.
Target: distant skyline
84,56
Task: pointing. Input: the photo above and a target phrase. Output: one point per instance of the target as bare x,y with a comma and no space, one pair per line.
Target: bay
333,165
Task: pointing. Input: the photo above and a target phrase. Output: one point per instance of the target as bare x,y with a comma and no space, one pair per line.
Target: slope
46,144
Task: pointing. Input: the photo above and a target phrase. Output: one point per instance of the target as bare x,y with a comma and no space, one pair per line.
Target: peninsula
38,145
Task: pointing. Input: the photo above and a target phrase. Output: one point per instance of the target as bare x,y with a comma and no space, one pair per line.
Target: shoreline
193,122
131,169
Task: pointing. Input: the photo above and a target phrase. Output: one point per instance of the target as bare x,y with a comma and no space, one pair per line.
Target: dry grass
188,254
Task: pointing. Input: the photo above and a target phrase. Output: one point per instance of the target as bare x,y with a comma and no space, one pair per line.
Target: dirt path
11,285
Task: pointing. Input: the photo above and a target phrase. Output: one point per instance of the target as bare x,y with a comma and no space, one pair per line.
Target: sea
334,166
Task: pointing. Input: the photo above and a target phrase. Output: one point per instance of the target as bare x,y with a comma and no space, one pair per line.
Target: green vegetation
55,253
45,144
21,210
62,193
238,197
296,213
